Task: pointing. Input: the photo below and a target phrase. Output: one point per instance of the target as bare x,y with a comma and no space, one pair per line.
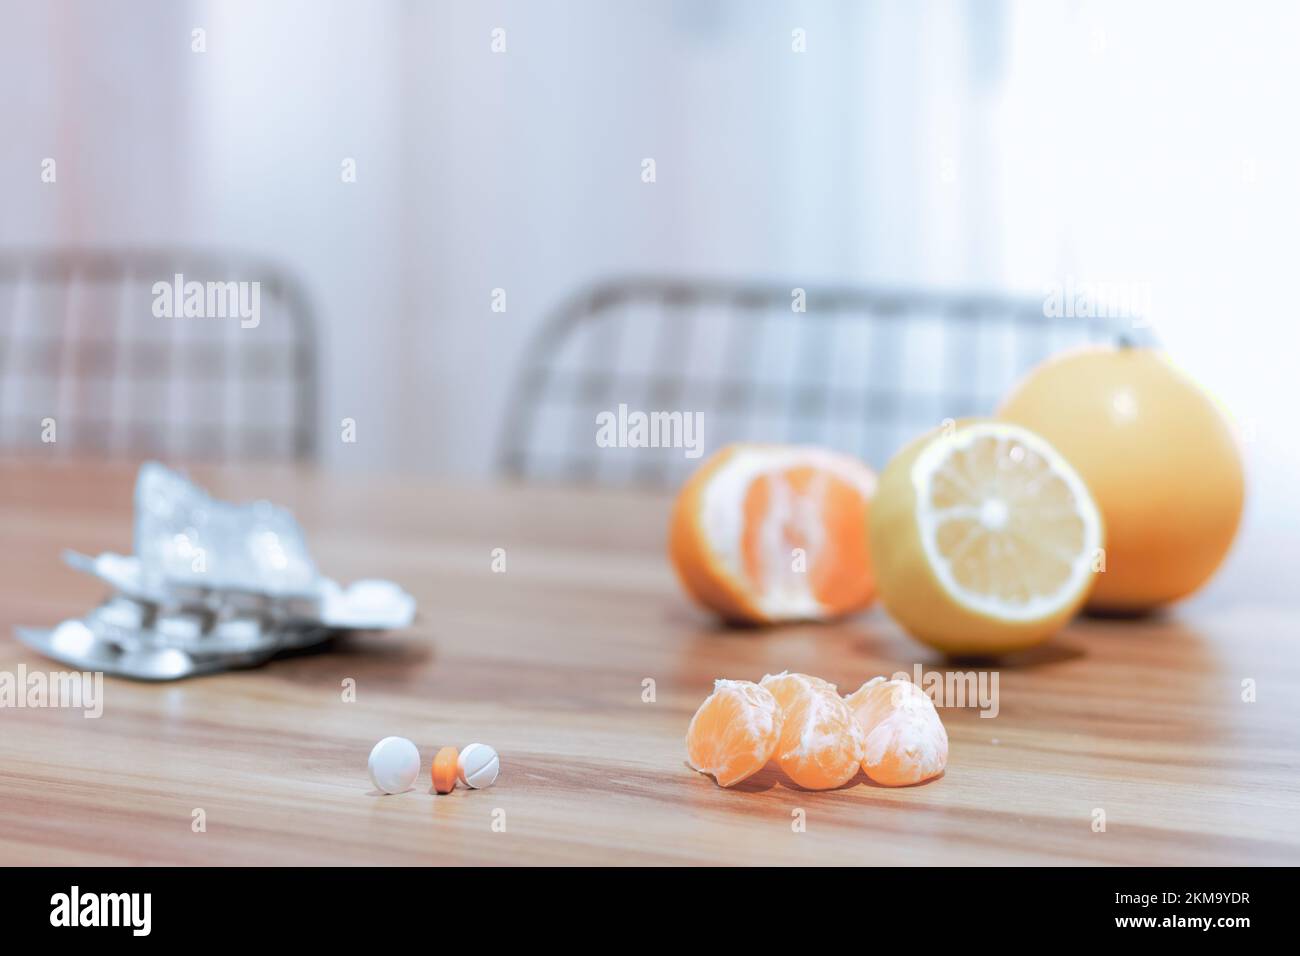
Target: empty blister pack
212,586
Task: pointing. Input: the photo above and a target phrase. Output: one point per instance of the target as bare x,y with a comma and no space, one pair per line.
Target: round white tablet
394,764
478,766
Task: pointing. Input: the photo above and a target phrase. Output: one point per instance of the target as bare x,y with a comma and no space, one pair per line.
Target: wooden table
547,662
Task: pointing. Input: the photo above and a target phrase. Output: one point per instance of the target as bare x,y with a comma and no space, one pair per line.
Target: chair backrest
860,370
171,354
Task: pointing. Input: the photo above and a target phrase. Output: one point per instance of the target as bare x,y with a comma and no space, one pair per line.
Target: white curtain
989,144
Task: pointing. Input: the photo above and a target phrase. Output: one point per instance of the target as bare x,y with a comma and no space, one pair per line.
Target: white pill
477,766
394,764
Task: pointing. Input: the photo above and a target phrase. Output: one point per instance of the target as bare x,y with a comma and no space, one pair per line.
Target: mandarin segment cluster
889,729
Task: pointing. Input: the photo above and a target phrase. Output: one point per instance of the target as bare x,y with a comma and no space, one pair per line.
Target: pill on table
444,770
394,764
478,766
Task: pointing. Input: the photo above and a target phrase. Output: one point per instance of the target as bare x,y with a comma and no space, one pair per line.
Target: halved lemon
984,538
764,533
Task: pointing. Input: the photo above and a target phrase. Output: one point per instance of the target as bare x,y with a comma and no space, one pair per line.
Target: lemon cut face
1006,524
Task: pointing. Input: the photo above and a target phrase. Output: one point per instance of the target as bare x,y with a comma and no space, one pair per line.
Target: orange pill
444,769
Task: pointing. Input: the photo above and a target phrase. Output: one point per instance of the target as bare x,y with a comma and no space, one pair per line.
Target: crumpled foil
212,586
185,537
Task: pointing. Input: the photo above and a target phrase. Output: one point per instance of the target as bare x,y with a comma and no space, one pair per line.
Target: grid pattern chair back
859,370
84,348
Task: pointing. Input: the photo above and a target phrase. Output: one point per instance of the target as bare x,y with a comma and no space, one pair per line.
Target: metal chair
89,366
861,370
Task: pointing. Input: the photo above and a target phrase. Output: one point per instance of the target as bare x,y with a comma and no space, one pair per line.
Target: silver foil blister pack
212,586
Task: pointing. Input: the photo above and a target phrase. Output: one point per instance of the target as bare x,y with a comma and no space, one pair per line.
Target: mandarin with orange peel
763,533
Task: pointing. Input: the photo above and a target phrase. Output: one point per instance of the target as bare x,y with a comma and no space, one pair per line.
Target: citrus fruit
983,538
735,731
1159,457
764,533
821,745
905,739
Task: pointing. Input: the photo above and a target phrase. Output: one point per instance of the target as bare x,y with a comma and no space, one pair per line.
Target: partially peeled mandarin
768,533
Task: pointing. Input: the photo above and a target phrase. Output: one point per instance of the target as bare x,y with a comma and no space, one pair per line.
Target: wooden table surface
546,662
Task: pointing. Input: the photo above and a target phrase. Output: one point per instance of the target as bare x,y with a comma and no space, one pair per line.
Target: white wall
1153,143
526,166
981,144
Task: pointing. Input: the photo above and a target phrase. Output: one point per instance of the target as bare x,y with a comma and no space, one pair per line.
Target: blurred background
428,181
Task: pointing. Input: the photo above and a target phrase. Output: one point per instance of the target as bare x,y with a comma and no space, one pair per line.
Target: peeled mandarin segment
774,532
734,733
869,707
984,539
905,750
905,740
445,770
789,688
878,699
821,745
841,575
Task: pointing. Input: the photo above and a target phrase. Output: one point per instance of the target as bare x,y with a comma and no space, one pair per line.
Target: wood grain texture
546,662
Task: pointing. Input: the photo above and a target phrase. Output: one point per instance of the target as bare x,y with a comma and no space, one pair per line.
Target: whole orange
1161,461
